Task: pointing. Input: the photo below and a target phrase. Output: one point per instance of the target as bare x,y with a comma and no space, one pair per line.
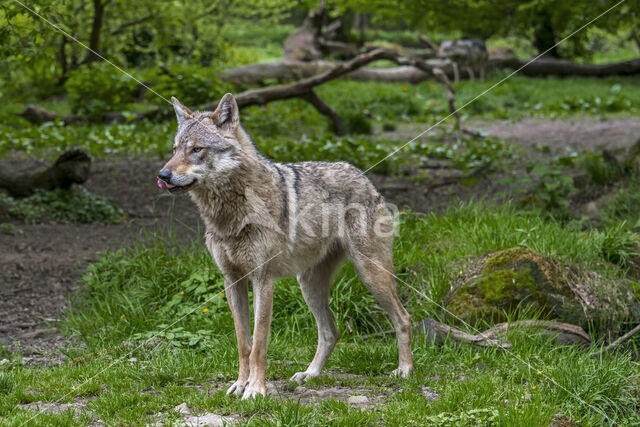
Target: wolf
469,54
265,220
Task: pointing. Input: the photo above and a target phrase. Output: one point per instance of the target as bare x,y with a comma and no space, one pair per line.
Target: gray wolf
265,220
470,54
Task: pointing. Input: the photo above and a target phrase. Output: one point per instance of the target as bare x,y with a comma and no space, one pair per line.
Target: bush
77,205
98,88
192,84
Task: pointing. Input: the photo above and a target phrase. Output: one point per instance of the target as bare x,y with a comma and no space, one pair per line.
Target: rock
560,420
520,280
208,419
358,400
54,407
183,409
429,394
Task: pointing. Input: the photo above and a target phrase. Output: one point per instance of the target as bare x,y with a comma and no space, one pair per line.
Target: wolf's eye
196,149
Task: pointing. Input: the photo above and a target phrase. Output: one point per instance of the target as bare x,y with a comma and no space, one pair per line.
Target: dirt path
584,133
41,266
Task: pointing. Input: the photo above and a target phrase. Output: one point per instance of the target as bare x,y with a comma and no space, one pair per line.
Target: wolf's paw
301,377
254,389
237,388
403,372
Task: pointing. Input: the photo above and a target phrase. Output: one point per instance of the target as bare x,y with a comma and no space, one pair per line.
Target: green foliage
543,22
6,383
551,188
193,85
358,124
614,102
77,205
523,97
51,138
625,205
98,88
141,34
620,245
599,171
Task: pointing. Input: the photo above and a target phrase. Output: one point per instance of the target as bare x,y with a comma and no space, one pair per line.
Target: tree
544,22
145,32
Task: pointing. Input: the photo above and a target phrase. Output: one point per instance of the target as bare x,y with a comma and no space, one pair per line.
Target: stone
208,419
518,280
358,400
429,394
183,409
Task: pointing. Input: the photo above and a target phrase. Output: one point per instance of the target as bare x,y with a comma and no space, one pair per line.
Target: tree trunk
96,30
544,37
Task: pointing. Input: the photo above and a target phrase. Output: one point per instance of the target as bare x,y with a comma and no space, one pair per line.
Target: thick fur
266,220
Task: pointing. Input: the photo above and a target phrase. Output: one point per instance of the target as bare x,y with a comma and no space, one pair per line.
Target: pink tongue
164,184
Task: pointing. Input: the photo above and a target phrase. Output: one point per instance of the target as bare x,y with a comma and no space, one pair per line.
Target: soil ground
41,267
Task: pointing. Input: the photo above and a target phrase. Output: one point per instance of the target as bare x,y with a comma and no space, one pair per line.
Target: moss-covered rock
518,281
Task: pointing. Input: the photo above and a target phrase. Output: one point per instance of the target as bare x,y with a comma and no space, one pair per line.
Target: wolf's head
206,146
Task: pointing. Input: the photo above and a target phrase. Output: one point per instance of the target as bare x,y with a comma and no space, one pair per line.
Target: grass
140,357
152,329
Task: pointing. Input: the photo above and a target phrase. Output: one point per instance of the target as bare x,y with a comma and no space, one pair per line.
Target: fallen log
308,75
72,167
544,67
411,73
253,74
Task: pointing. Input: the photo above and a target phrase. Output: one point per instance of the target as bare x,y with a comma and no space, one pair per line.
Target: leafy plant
76,205
599,171
193,85
98,88
551,189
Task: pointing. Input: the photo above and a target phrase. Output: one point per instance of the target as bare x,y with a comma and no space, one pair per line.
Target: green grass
147,302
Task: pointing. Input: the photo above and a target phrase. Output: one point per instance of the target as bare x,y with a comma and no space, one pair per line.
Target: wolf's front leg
238,299
262,308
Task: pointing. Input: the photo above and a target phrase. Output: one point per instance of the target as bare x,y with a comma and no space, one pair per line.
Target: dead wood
622,339
547,66
72,167
562,333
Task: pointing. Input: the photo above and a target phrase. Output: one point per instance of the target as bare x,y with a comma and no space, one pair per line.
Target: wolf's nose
165,175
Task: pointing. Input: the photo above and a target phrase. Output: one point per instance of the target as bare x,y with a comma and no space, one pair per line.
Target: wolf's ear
182,112
226,115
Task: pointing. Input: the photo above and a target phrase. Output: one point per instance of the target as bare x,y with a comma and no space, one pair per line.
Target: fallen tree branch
622,339
262,96
448,90
337,122
562,333
437,183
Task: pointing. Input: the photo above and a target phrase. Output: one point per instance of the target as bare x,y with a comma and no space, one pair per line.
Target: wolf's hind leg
316,285
372,259
238,298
